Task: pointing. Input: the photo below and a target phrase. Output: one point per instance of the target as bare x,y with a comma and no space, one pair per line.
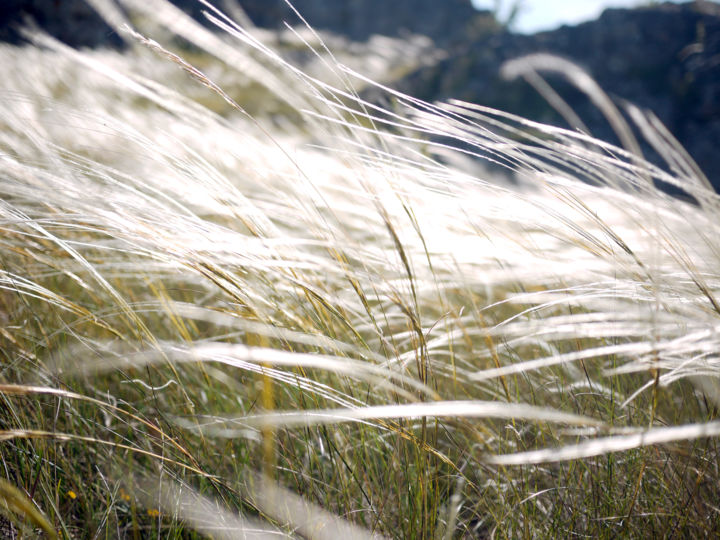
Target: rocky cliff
71,21
76,23
359,19
665,58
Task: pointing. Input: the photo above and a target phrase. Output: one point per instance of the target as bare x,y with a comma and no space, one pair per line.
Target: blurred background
663,57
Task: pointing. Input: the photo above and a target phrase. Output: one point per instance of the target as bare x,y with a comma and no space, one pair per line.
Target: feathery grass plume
429,320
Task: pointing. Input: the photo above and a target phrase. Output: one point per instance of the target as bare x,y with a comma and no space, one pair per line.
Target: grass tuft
237,299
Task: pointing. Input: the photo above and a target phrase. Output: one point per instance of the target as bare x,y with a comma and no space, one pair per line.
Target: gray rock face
71,21
359,19
665,58
77,24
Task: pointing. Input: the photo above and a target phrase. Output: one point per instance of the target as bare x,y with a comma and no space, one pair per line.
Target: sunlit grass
423,321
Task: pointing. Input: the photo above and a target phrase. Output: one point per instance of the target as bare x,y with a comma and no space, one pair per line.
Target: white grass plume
333,247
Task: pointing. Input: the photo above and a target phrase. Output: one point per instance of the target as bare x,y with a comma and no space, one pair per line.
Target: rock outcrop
665,58
77,24
71,21
359,19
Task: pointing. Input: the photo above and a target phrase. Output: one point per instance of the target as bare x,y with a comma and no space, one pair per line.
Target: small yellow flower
72,494
153,512
124,496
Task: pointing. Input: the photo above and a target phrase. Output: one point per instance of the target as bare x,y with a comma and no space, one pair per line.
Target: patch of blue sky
538,15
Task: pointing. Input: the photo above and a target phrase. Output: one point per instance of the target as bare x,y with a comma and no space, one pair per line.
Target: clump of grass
356,305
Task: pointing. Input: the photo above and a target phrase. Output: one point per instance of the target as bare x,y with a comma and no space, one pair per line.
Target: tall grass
238,300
